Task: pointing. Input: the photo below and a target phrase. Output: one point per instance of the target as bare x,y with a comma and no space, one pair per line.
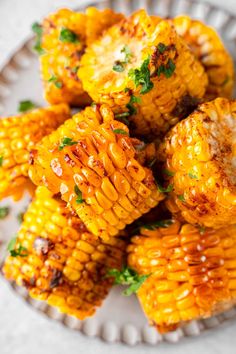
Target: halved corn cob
192,272
207,46
92,162
65,35
145,69
200,155
59,261
18,135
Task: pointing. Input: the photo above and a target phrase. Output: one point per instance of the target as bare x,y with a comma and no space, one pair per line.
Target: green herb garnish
4,211
20,217
118,66
162,189
79,199
161,47
38,30
128,54
181,198
168,173
66,142
25,106
132,109
1,160
128,276
157,224
75,69
192,176
56,82
68,36
19,251
152,162
120,131
202,230
142,77
122,117
167,69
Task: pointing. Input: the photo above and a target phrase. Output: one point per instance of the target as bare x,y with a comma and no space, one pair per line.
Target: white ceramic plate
120,318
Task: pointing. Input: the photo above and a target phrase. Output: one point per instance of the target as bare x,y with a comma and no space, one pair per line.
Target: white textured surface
23,330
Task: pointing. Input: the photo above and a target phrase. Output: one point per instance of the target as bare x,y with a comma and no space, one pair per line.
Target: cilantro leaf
167,69
120,131
19,251
132,109
1,160
79,199
25,106
118,66
56,82
20,217
202,229
161,47
122,117
66,142
192,176
68,36
162,189
142,77
4,211
157,224
38,30
168,173
181,198
128,54
127,276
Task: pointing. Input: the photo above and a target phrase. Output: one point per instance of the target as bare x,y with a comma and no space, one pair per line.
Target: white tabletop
24,331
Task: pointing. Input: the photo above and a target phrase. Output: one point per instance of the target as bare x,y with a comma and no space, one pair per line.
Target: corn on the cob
200,154
146,70
209,49
192,274
65,35
96,172
58,261
18,135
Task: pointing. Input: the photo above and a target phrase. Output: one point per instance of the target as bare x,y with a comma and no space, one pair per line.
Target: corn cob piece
192,272
209,49
65,35
92,162
200,154
59,261
146,70
18,135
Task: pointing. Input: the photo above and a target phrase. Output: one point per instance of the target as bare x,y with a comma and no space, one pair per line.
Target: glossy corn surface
192,272
139,43
98,175
62,263
18,136
60,63
200,154
207,46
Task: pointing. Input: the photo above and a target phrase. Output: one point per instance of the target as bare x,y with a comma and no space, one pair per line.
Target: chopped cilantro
168,173
68,36
142,77
128,276
118,66
202,230
75,69
20,217
66,142
161,47
1,160
122,117
152,162
15,252
167,69
133,99
4,211
56,82
157,224
25,106
79,199
128,54
181,198
120,131
168,189
38,30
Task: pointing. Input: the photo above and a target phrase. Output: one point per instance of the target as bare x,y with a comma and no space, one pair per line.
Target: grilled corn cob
200,155
92,162
58,261
209,49
146,70
65,35
192,274
18,135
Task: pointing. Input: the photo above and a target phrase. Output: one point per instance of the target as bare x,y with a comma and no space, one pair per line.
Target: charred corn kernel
15,150
207,156
56,271
196,284
65,36
210,51
105,200
134,48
